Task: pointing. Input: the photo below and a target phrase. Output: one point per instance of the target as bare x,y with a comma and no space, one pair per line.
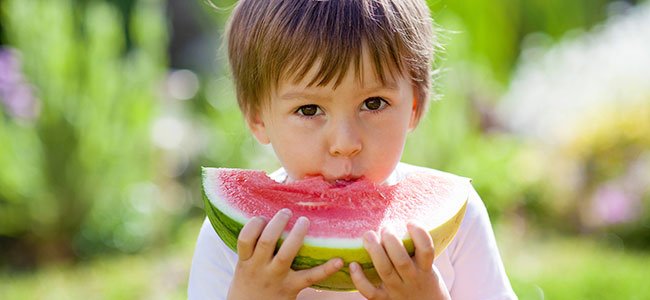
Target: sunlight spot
182,84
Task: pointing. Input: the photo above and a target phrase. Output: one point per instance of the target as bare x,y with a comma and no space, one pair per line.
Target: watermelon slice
339,214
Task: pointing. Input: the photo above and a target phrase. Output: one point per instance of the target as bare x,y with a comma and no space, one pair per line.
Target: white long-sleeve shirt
471,266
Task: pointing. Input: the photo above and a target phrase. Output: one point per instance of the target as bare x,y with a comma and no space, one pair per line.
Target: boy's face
356,130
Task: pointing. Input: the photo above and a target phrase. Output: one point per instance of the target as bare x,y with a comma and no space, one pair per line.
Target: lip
337,180
344,181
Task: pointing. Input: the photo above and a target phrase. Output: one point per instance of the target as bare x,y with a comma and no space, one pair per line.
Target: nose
345,139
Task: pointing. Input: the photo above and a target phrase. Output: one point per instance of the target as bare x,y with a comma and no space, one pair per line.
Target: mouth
341,181
344,181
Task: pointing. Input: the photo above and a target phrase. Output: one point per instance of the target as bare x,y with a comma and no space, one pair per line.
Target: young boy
335,86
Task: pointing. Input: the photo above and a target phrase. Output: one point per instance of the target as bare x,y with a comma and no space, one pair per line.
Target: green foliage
84,175
493,30
589,269
75,178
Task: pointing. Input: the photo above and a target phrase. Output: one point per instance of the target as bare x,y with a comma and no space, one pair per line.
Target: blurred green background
108,108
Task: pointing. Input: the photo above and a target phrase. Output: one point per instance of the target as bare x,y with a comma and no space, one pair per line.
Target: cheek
392,127
385,152
390,143
388,138
296,148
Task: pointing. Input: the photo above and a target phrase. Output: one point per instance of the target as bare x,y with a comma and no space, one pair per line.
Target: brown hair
273,39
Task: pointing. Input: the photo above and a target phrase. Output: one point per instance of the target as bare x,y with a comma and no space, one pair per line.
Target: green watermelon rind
227,228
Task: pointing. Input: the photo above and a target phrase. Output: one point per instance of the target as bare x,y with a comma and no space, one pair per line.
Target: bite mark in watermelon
338,214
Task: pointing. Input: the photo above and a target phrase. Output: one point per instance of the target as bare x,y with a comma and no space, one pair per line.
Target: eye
308,110
374,103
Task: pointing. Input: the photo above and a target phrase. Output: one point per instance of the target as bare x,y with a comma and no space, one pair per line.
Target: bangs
333,36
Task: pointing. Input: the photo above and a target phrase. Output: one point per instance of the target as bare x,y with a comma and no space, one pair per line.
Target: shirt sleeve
479,271
212,268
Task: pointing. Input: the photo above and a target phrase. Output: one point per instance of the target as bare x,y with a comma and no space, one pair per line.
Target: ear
257,127
413,121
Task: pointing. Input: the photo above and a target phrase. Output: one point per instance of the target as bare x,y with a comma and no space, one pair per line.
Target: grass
555,267
160,277
551,267
155,274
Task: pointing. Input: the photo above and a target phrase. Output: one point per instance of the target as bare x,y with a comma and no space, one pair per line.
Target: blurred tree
126,8
76,178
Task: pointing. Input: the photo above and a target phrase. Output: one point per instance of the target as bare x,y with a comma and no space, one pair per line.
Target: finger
268,240
309,277
292,244
361,282
380,259
400,259
424,248
248,237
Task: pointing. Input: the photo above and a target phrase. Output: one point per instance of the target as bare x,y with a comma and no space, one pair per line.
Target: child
335,86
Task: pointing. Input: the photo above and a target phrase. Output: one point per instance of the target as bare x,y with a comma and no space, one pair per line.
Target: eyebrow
388,85
297,94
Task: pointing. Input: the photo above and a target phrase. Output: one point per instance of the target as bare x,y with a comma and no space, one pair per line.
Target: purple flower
9,67
16,95
613,205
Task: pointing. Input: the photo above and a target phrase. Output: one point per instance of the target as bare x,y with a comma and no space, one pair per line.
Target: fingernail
302,220
415,226
286,211
369,236
338,263
354,267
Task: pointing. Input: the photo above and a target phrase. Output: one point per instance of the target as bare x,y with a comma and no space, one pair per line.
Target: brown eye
374,103
308,110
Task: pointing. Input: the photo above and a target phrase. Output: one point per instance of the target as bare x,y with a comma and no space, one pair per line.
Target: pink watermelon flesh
340,210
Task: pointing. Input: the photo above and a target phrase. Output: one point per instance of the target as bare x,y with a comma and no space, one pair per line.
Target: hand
402,277
260,274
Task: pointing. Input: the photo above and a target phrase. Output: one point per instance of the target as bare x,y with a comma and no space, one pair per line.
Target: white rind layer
214,194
